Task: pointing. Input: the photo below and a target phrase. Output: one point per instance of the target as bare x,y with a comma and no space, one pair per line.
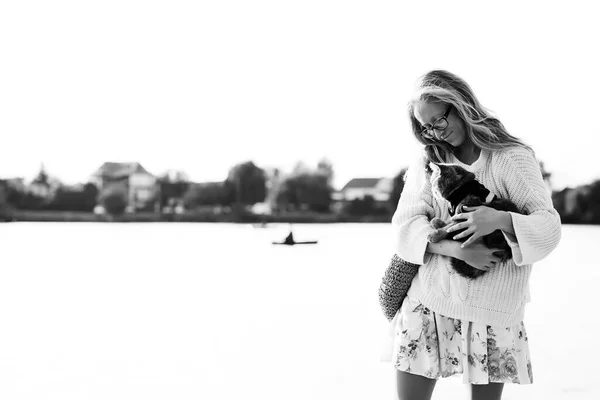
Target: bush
211,194
114,199
67,199
305,191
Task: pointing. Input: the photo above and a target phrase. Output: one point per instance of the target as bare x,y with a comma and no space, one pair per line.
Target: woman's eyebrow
433,119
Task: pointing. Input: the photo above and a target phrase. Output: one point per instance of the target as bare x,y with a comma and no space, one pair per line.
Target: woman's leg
491,391
413,387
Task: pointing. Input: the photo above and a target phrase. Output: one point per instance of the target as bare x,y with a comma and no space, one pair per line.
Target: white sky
202,85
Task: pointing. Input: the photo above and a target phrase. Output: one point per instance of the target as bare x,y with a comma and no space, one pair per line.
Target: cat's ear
434,168
434,179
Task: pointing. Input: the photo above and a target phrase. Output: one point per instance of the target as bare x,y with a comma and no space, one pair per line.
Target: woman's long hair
484,130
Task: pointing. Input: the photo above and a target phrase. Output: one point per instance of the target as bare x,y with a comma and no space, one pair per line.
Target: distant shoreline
301,217
290,217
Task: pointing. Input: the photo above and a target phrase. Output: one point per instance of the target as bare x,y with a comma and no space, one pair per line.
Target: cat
460,188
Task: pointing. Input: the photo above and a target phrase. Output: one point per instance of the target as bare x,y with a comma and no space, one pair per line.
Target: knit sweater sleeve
538,229
412,216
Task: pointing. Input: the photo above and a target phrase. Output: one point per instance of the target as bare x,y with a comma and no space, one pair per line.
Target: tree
173,185
579,205
250,183
305,190
41,191
5,207
301,168
592,211
70,199
212,193
42,177
325,168
274,179
397,187
114,199
90,196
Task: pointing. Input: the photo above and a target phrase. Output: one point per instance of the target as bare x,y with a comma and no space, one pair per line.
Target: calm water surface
214,311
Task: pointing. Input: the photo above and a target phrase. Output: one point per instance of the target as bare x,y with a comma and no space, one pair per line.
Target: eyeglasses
438,126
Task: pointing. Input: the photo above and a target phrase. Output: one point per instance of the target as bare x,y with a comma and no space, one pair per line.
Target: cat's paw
437,235
437,223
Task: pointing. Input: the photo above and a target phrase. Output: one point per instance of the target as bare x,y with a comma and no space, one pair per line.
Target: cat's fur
460,188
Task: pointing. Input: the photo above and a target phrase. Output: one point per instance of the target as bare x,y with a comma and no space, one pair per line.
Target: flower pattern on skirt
435,346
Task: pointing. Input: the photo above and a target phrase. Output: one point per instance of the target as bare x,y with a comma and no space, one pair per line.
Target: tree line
304,189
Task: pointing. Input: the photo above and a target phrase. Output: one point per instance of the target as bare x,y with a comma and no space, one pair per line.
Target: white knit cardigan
498,297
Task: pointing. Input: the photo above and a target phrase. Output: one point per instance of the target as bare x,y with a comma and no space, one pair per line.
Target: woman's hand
477,222
479,256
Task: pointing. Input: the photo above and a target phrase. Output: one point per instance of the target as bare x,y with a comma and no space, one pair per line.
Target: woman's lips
444,137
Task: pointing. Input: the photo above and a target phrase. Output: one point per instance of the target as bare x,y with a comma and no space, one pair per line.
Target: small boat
289,241
295,243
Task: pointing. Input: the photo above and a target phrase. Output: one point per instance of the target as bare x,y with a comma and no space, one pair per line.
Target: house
358,188
142,187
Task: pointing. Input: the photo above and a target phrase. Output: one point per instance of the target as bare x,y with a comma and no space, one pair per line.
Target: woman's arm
533,234
412,216
505,222
449,248
477,255
480,221
537,231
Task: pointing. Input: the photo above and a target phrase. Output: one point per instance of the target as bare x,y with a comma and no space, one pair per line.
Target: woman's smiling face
429,112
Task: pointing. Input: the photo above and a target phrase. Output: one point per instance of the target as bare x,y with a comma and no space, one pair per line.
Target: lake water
214,311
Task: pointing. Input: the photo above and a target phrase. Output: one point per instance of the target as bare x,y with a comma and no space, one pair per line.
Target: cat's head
446,178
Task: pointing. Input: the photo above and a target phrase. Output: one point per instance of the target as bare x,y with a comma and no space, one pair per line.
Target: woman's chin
455,140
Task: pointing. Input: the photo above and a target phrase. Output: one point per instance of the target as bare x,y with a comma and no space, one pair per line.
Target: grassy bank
194,216
206,216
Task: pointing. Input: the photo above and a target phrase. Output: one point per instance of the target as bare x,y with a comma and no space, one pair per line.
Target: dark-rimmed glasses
438,126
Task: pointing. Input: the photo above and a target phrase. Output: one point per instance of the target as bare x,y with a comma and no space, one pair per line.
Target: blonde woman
449,324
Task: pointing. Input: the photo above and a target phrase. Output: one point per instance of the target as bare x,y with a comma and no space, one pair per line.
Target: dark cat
460,188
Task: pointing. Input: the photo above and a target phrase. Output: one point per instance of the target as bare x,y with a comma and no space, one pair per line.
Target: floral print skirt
435,346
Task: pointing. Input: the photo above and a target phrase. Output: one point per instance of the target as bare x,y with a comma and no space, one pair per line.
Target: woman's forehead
427,112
